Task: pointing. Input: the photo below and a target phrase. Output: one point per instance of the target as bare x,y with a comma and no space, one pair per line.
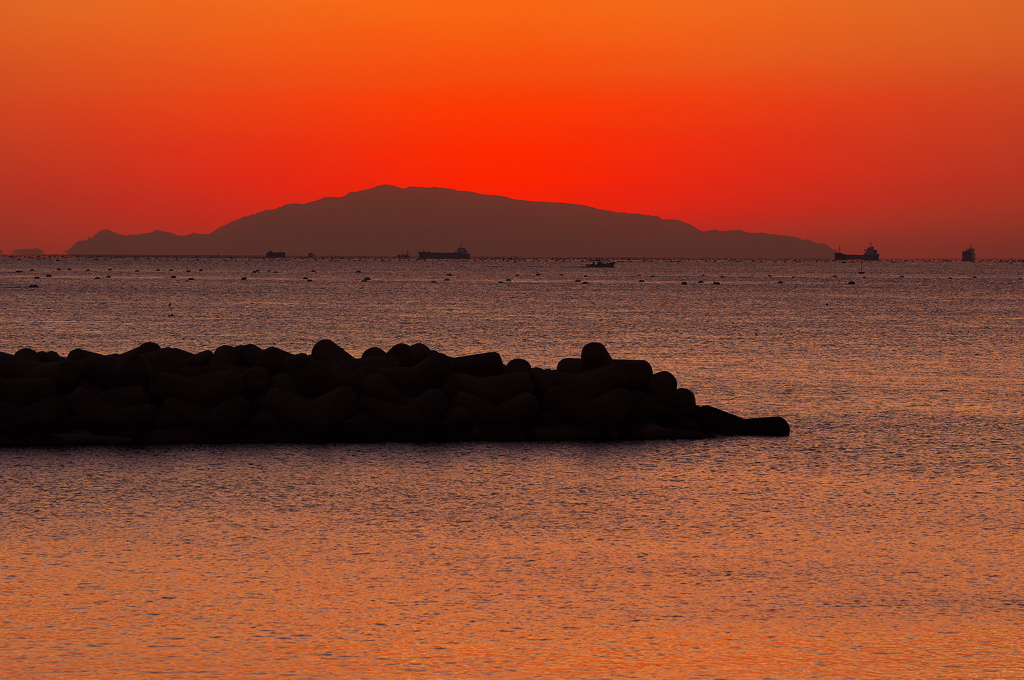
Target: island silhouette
387,220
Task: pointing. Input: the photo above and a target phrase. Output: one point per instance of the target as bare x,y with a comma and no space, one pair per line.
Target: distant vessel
600,263
869,254
275,253
403,256
967,255
460,254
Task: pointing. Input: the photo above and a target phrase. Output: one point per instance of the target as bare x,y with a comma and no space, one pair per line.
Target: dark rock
79,354
519,410
23,391
274,360
330,409
83,437
646,408
495,433
420,352
318,377
638,372
426,409
144,348
330,353
586,384
66,374
286,382
98,415
380,386
765,427
684,397
255,382
606,410
569,432
204,358
123,397
12,366
482,365
167,359
202,390
404,354
432,370
226,355
27,354
663,380
570,365
650,430
233,412
594,355
518,366
250,355
494,389
684,418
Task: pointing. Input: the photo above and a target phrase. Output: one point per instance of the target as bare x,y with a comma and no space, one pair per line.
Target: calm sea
883,539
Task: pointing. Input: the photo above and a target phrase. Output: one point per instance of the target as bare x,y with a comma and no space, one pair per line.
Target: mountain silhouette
388,220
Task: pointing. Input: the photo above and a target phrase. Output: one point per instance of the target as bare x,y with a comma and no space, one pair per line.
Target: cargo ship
460,254
869,254
967,255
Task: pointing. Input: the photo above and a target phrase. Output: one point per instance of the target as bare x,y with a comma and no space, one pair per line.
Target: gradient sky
892,121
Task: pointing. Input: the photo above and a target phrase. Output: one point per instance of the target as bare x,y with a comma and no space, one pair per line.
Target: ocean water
883,539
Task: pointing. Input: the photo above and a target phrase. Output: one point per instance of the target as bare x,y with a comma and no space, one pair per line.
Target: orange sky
897,122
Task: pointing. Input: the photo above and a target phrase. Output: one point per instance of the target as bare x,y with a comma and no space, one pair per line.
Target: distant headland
387,220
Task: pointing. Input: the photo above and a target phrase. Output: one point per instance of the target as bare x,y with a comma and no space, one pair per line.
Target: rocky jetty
409,393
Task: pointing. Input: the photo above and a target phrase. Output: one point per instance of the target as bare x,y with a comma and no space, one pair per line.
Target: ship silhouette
459,254
869,254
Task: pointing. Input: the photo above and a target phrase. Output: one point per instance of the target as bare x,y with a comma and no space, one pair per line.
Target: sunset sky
897,122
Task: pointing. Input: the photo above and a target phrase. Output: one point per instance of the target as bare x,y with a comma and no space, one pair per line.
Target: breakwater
164,395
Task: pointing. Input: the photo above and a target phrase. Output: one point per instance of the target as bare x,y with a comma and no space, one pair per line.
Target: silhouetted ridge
386,220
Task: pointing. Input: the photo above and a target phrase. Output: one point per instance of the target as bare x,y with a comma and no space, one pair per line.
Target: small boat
869,254
967,255
402,256
460,254
600,263
275,253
